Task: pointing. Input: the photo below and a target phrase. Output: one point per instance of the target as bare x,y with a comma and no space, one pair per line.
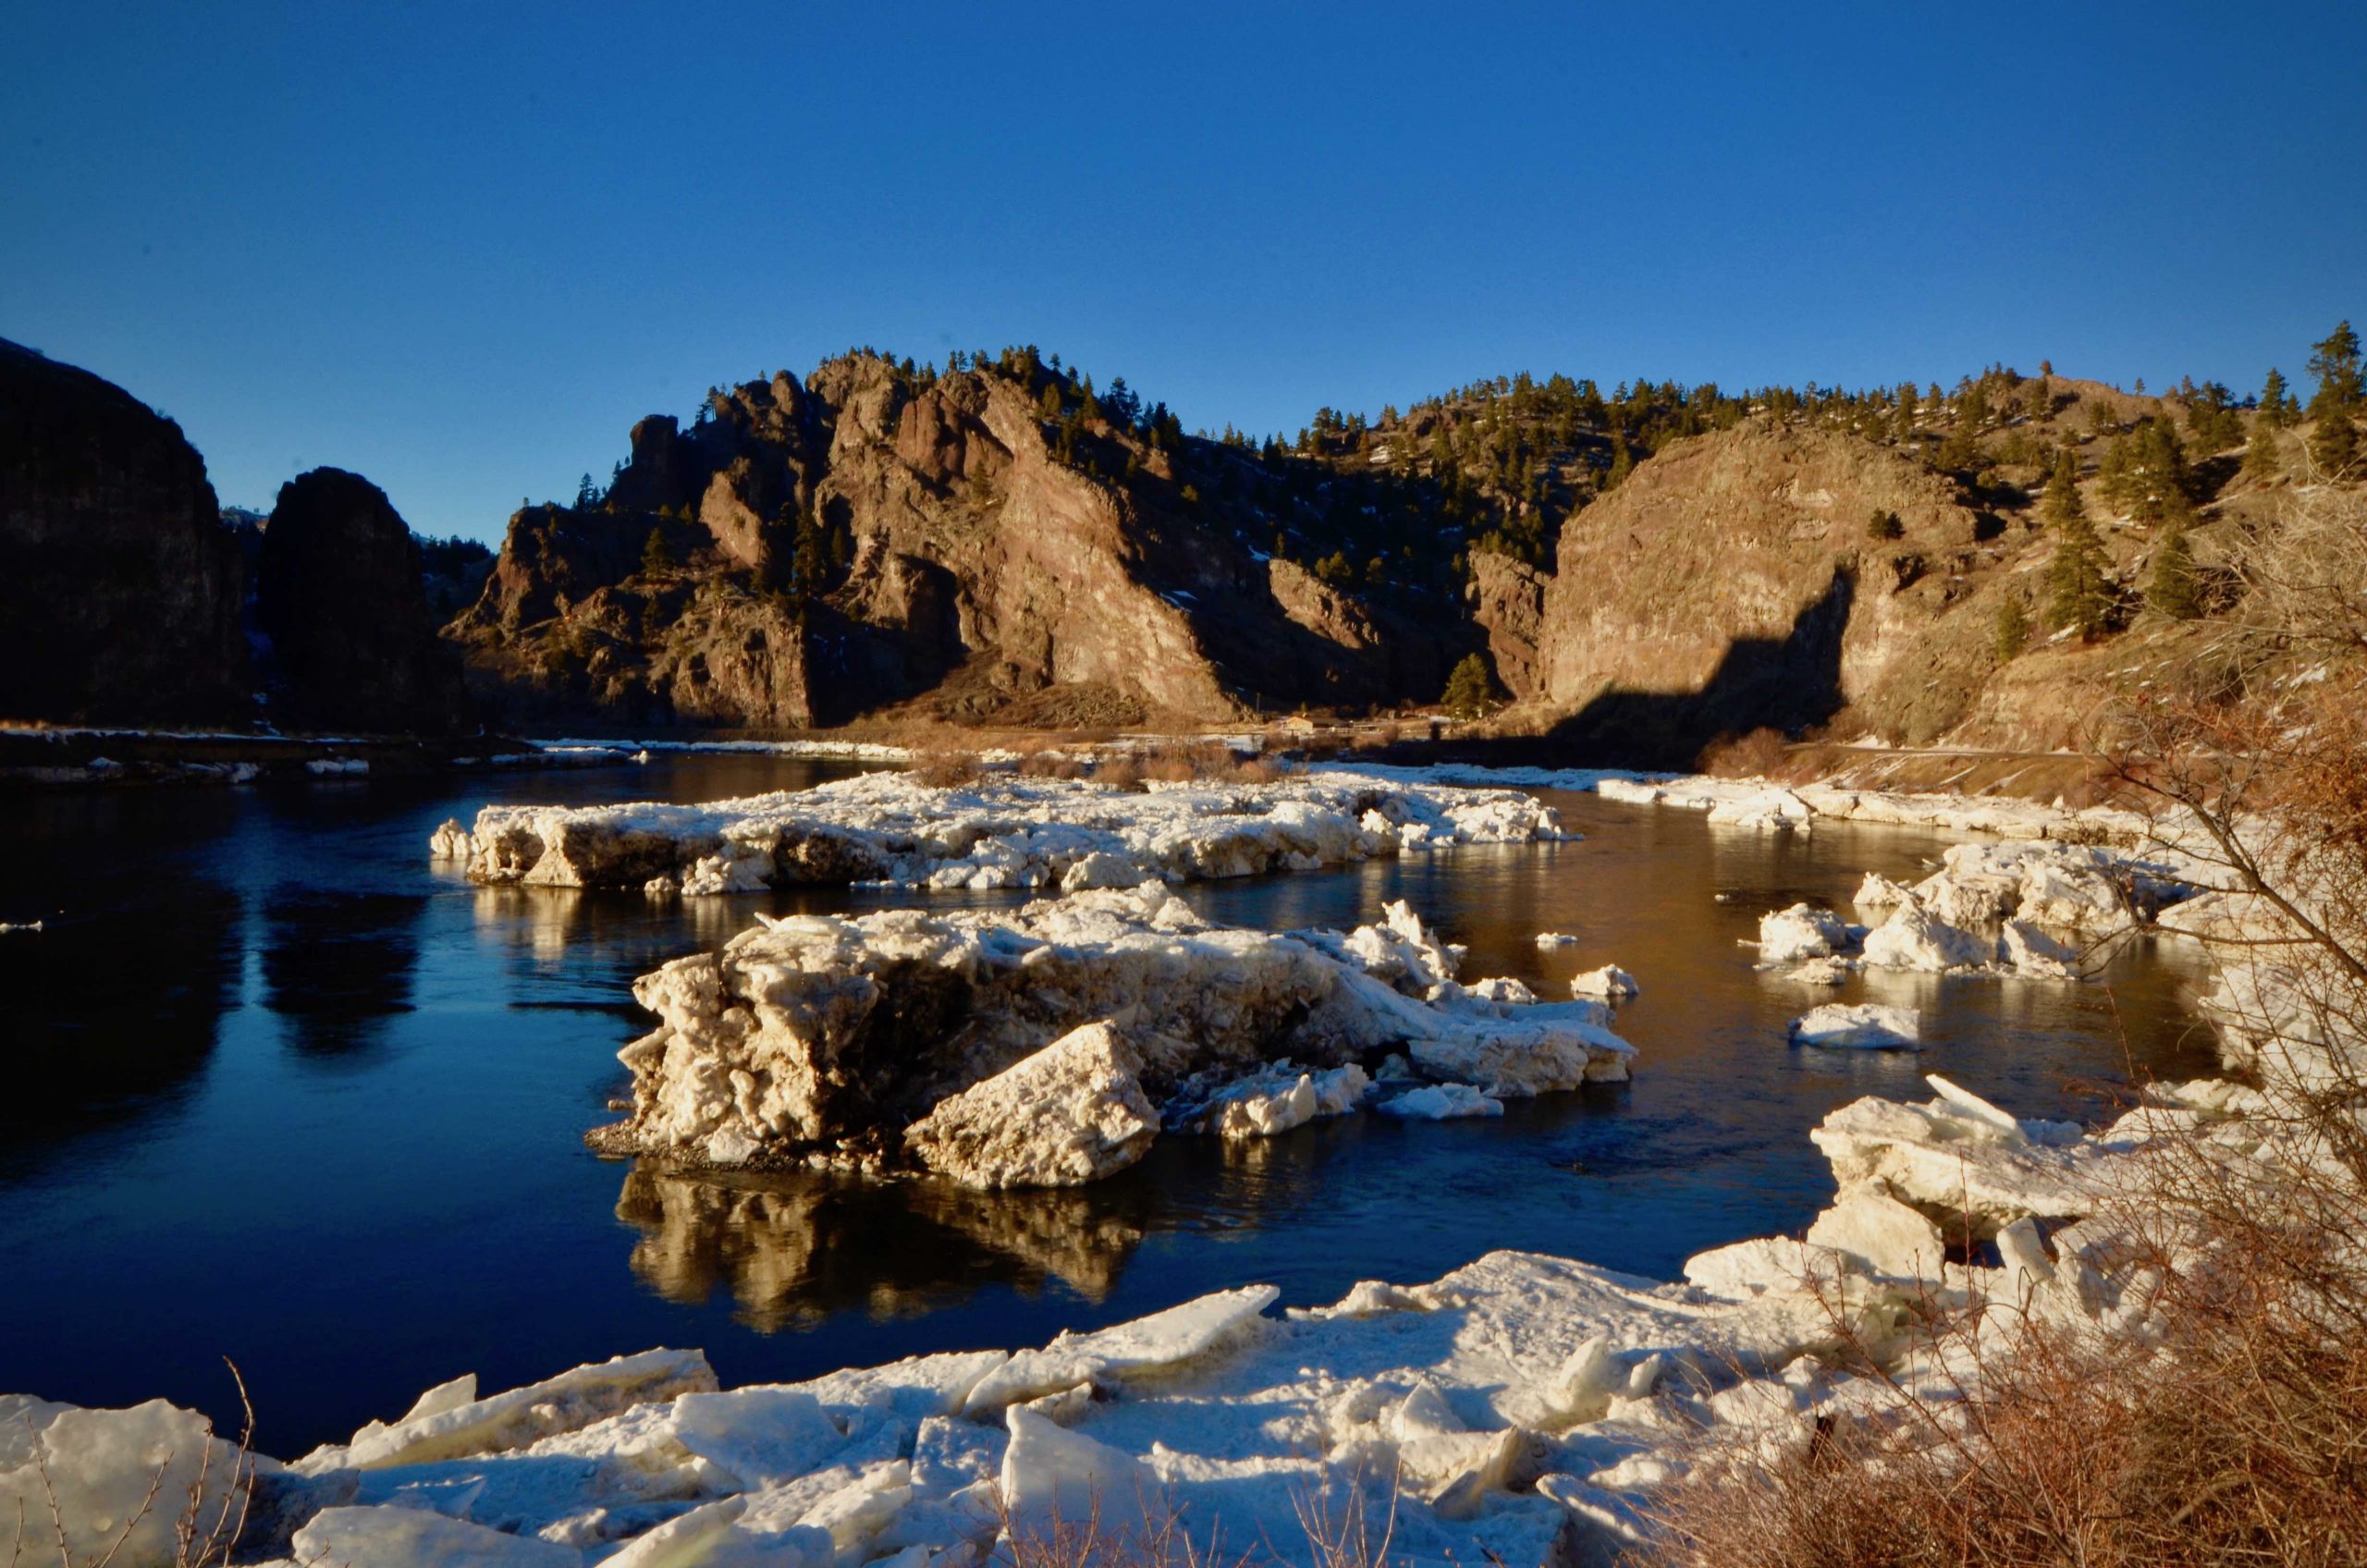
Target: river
281,1091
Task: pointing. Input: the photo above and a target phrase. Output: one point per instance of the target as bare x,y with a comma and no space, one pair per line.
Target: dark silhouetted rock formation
338,594
119,586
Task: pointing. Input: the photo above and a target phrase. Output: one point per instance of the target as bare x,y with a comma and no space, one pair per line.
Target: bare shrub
946,767
1043,761
1758,755
1121,771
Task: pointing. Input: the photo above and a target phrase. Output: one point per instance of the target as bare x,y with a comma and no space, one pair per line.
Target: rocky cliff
120,600
991,541
341,604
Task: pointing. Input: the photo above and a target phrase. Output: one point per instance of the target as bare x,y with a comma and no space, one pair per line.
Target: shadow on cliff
1789,684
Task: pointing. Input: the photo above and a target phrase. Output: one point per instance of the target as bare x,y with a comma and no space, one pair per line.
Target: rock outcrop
338,596
806,552
120,601
1733,583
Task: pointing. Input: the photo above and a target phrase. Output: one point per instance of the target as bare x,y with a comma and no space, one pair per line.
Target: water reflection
337,967
794,1251
104,1023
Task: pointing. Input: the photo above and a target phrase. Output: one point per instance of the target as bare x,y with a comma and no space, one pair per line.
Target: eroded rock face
1736,569
1508,602
338,594
889,535
122,593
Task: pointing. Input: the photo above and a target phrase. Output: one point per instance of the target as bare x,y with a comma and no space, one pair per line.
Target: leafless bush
1184,762
1045,761
946,767
1122,771
1759,754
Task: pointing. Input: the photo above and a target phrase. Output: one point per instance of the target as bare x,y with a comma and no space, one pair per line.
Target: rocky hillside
1882,579
120,600
994,542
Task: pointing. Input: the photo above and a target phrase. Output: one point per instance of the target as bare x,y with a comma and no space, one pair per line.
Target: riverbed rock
1072,1114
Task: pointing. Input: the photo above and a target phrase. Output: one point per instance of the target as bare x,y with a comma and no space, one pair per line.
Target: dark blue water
278,1090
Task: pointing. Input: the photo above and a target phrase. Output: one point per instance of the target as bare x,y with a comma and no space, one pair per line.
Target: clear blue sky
461,249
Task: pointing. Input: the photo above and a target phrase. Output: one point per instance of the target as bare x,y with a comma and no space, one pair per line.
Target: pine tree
2334,443
654,557
2260,458
2277,408
1885,525
2080,595
1623,461
2013,628
2059,503
2173,590
1470,689
2335,362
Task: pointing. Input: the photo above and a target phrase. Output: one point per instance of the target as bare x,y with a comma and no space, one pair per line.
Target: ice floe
2035,909
1610,983
1862,1026
1003,832
1045,1044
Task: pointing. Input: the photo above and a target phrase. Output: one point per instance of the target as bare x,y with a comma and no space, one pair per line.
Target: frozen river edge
1522,1403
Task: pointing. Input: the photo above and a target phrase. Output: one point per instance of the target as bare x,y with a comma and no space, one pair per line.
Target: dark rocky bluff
120,588
981,542
340,600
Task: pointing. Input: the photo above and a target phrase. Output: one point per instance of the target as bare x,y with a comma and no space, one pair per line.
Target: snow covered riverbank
1521,1406
1002,832
1047,1045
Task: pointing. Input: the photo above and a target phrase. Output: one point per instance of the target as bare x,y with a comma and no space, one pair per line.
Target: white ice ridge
1761,803
1047,1044
1003,832
1521,1408
2036,910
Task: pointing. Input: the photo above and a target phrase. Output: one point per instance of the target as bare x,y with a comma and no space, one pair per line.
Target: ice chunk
1801,931
1819,972
747,1062
1914,938
1545,939
1051,1474
1610,981
97,1468
1164,1338
1860,1026
758,1436
1070,1113
414,1538
686,1540
1881,1233
460,1390
524,1415
1876,893
1441,1102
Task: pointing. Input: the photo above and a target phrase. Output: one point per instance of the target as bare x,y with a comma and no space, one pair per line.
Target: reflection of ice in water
792,1250
547,917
